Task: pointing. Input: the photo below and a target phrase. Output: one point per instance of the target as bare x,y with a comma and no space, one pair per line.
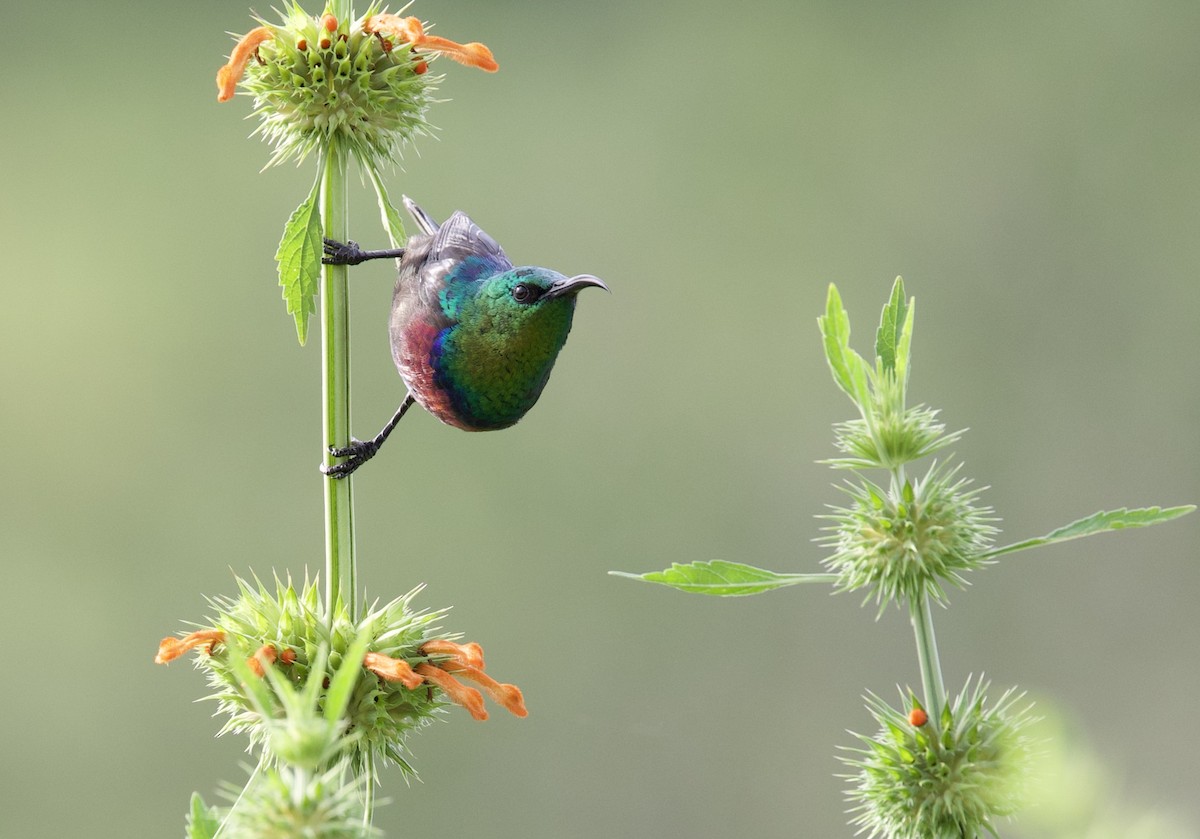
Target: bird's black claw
339,253
356,453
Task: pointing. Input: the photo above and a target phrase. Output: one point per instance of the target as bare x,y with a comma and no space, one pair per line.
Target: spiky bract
893,435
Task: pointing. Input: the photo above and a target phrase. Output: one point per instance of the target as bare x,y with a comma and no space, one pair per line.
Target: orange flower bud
264,655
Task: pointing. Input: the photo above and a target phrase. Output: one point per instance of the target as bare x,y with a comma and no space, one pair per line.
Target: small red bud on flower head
330,23
917,717
288,656
302,45
325,43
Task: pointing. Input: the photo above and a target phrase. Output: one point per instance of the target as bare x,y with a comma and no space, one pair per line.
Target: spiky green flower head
890,434
272,658
903,541
291,625
285,802
952,780
327,83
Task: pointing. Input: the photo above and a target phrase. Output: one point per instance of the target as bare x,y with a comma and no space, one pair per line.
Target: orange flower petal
470,654
392,670
410,29
459,693
473,54
170,649
229,75
508,696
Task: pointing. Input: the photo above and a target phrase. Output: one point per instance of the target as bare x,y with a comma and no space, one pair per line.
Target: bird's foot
357,452
343,253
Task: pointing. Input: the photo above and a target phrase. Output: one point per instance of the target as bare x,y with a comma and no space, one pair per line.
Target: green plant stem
927,655
341,572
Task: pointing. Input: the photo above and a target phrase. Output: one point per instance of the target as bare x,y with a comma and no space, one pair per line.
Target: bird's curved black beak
572,285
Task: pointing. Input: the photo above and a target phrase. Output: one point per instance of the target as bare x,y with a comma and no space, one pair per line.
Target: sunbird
473,337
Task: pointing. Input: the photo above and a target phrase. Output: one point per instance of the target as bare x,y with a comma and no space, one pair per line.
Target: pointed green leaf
849,369
1101,522
202,822
392,222
891,323
341,686
724,579
299,258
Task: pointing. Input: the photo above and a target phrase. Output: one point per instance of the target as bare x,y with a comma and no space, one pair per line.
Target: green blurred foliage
1030,169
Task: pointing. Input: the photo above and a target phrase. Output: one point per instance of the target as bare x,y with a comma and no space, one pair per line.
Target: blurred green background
1029,168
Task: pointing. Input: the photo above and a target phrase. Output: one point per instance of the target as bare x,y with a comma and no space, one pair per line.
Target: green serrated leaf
724,579
849,369
1102,522
392,221
299,259
202,822
891,323
904,347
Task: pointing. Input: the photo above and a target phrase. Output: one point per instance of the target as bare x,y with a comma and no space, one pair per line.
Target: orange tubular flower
459,693
508,696
170,649
392,670
466,661
410,29
470,653
229,75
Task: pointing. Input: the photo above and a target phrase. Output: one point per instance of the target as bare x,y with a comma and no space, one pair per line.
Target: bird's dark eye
523,293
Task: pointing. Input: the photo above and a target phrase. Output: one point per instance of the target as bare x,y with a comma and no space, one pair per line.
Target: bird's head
527,304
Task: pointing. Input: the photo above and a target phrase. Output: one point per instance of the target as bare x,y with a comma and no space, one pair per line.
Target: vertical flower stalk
932,684
341,564
342,87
